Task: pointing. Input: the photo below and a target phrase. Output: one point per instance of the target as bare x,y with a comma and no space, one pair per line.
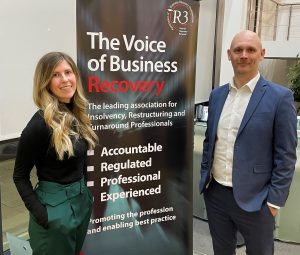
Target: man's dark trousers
226,217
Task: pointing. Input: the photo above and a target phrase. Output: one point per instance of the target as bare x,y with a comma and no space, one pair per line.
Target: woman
56,141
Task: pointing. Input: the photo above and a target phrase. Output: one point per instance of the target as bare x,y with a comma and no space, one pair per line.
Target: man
249,153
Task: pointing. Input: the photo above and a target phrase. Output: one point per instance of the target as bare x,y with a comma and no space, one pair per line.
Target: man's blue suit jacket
265,148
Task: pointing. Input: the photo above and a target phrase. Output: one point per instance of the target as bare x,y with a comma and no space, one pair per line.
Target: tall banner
137,60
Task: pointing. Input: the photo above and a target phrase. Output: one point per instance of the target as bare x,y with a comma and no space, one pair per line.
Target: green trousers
69,209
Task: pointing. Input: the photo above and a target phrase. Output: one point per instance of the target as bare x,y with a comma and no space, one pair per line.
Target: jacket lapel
258,93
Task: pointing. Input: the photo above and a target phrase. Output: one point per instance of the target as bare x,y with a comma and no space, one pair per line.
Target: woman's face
63,82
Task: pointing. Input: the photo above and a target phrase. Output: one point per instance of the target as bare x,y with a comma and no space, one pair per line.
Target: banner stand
1,238
138,73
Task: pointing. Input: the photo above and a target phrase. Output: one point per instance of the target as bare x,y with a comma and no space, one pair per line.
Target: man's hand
273,210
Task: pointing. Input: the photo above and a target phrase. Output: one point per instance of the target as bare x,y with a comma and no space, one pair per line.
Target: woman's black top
35,149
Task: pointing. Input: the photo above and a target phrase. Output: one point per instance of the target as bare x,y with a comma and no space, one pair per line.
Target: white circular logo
180,15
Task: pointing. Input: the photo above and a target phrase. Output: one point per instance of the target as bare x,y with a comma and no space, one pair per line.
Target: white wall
282,49
205,50
29,29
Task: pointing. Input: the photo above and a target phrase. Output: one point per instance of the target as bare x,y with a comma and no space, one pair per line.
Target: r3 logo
180,15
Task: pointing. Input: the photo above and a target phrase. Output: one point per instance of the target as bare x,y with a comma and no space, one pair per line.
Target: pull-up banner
137,60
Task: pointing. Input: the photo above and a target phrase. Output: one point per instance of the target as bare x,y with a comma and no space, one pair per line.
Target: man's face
245,54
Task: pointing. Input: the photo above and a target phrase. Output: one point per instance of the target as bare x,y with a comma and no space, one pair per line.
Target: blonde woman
56,141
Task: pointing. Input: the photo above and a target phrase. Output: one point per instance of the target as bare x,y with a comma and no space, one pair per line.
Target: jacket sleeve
32,144
285,143
206,159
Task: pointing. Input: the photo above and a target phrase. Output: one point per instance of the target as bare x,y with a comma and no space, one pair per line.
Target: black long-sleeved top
35,149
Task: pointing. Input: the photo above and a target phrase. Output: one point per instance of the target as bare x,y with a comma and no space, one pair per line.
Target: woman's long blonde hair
66,124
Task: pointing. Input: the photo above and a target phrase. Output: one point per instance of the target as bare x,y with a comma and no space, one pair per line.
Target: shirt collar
250,84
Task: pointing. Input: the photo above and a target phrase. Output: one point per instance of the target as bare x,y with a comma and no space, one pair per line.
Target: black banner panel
137,61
